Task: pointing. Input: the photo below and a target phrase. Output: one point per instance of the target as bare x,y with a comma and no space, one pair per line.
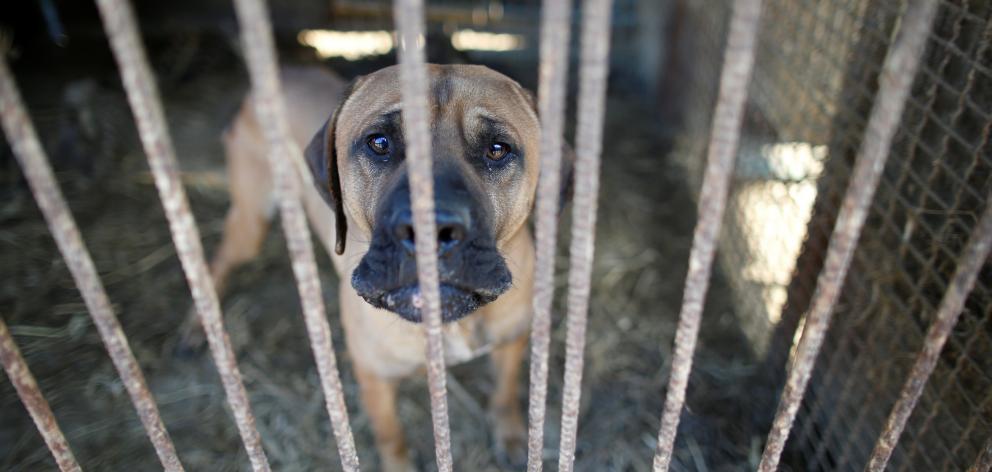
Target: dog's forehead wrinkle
390,118
485,118
441,88
446,135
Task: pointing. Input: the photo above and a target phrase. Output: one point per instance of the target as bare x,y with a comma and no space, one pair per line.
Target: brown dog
485,146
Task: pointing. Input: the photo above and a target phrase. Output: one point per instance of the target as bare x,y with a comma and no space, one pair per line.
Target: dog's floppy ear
321,157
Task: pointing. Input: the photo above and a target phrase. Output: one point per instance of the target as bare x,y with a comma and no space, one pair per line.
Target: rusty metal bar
260,54
409,18
895,82
556,18
142,93
983,463
34,401
738,63
593,71
31,156
971,262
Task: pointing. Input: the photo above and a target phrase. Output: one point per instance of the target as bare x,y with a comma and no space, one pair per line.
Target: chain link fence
817,67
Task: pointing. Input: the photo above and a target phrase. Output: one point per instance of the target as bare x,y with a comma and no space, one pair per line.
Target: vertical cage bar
34,401
593,71
409,17
260,54
738,63
895,81
142,93
31,156
556,18
983,463
971,262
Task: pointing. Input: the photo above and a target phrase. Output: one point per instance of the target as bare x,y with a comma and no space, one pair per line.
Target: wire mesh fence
815,81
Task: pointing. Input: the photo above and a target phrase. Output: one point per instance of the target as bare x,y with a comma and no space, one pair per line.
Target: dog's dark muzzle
471,270
408,302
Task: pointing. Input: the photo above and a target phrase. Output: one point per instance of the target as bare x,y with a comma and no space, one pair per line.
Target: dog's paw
511,453
397,464
510,438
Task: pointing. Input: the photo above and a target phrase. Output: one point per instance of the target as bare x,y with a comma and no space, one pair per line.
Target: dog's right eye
379,144
497,151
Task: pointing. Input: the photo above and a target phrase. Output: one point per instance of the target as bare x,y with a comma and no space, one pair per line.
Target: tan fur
383,347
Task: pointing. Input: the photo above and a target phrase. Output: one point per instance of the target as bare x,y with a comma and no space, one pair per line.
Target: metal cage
911,151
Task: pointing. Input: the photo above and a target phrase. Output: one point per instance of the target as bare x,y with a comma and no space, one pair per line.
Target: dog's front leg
504,404
379,398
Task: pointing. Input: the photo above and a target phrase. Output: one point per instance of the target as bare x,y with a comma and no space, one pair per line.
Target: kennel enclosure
849,142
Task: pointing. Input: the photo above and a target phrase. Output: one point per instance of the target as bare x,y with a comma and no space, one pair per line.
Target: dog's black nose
451,230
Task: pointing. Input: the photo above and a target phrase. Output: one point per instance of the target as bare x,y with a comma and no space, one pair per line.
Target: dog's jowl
484,143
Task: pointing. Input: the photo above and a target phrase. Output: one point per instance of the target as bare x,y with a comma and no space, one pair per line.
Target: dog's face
484,141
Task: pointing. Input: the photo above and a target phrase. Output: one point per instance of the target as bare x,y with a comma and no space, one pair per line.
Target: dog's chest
465,340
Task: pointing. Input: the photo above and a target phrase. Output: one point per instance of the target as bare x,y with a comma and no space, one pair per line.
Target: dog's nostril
450,232
405,235
449,236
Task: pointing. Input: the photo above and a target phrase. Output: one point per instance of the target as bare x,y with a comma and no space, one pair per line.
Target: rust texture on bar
556,18
260,54
983,463
593,71
34,401
971,262
31,156
738,63
409,17
895,81
142,94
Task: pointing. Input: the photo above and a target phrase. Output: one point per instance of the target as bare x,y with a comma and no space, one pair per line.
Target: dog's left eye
379,144
497,151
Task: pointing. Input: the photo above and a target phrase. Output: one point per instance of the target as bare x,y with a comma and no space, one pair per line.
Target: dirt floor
645,227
